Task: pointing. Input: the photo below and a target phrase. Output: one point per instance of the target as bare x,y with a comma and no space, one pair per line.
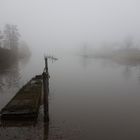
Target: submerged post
46,90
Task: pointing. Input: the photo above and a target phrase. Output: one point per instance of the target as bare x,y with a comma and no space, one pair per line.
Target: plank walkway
25,104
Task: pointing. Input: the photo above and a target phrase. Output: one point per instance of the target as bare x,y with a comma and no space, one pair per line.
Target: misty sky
69,23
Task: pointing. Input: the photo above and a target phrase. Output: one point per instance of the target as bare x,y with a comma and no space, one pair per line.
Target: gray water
89,99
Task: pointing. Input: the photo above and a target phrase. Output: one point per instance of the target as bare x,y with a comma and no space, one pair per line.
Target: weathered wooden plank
25,104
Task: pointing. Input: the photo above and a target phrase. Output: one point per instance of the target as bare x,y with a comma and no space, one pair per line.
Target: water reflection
127,72
126,66
100,103
9,76
85,61
46,131
10,73
24,61
10,80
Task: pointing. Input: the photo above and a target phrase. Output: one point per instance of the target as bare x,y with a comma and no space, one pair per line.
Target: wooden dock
25,104
23,108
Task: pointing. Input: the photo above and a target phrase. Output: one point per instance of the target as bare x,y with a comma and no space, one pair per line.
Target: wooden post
46,64
46,90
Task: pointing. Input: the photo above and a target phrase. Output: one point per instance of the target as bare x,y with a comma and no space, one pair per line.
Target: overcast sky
69,23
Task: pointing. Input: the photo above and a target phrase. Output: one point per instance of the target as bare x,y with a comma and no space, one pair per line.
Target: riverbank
127,55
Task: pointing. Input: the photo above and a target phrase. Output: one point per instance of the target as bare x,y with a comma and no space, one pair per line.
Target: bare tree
11,37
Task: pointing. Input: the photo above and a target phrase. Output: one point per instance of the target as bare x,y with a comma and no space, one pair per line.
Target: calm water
89,99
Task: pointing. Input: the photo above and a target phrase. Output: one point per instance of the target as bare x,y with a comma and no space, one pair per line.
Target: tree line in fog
127,50
10,41
9,37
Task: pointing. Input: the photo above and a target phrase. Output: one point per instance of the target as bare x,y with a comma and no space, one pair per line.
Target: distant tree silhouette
1,38
11,37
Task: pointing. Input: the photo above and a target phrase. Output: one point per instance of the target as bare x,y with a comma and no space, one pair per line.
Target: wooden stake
46,91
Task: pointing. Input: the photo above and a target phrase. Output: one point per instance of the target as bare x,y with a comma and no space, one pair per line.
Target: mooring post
46,90
46,64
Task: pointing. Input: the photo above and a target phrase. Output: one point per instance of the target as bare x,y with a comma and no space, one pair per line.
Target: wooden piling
46,91
46,64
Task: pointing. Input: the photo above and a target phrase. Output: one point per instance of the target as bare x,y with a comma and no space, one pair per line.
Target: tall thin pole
46,91
46,64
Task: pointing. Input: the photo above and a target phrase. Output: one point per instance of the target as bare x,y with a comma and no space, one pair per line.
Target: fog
63,24
93,51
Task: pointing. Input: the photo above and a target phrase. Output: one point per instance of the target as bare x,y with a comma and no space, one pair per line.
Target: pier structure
24,106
